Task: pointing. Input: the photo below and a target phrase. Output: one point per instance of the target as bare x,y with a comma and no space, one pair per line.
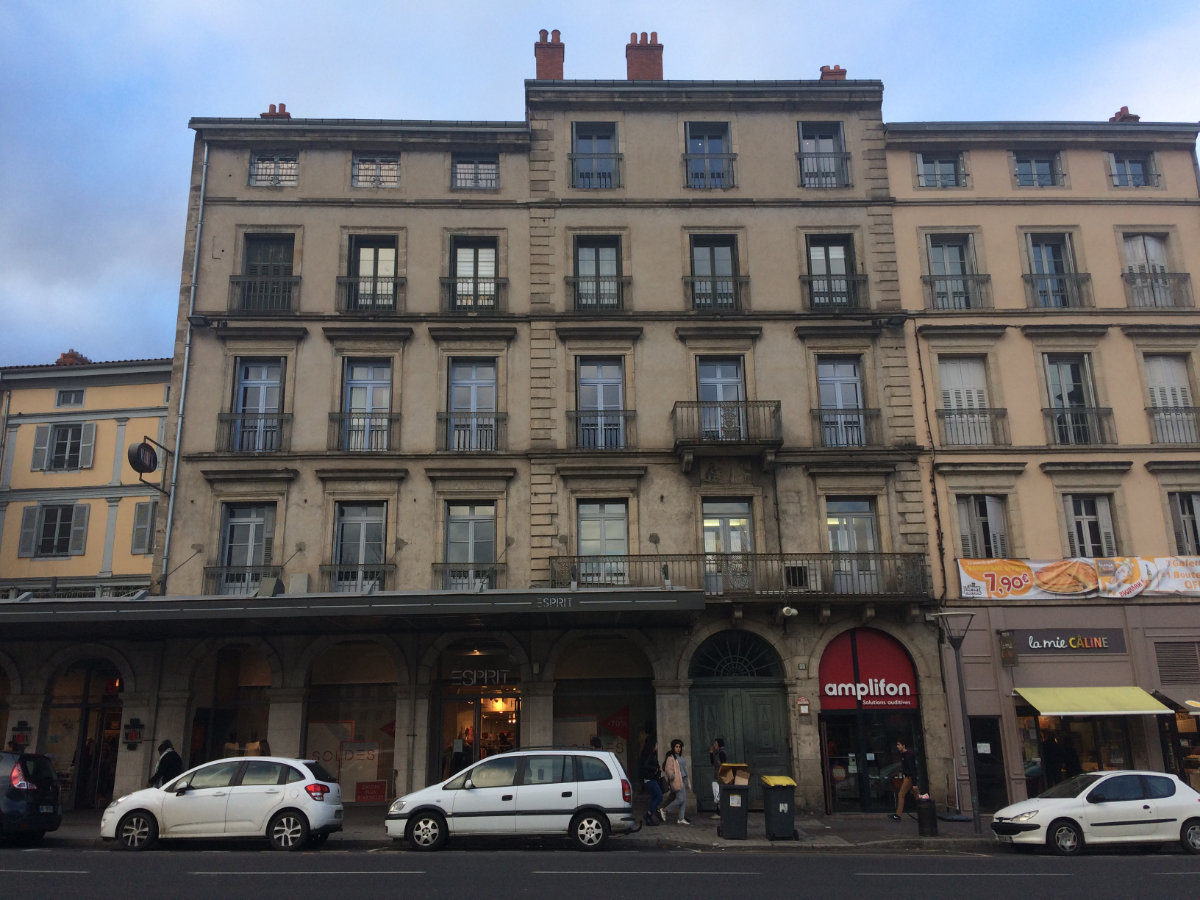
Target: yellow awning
1093,701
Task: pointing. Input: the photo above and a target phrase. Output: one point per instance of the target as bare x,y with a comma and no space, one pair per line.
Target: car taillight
626,791
18,778
317,791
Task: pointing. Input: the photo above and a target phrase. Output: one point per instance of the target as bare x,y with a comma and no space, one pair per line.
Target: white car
293,803
581,793
1104,808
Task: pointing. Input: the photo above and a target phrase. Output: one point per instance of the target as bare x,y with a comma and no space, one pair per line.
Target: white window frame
978,529
60,404
1103,517
1185,521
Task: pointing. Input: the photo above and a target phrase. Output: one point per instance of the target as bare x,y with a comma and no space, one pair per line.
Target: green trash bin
735,802
779,807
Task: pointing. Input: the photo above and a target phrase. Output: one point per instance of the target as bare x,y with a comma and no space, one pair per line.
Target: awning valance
1183,699
1093,701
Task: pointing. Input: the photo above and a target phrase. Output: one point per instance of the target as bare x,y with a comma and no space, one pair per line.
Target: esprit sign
1086,641
866,669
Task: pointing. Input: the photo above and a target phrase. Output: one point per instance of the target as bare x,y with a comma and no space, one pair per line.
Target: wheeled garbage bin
779,807
735,799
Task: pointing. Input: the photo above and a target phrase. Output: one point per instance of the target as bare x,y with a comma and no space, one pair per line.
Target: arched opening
477,706
232,706
604,687
738,696
352,719
84,732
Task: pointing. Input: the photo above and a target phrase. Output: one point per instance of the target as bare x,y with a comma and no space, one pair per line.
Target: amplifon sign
866,669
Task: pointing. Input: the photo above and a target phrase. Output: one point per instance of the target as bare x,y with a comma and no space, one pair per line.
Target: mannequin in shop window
257,747
232,747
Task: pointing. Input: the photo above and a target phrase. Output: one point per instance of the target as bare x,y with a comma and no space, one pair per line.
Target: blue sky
95,99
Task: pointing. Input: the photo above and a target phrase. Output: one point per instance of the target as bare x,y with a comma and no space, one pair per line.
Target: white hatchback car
581,793
1104,808
293,803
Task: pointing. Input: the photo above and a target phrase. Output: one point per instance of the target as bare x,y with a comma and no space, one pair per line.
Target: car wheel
138,830
316,840
288,831
1065,838
426,831
1189,835
589,830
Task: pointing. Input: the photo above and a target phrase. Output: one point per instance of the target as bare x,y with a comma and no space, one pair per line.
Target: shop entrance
990,774
478,713
231,705
1057,747
1180,737
84,733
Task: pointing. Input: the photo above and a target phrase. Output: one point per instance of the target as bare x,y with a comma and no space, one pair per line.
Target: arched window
735,654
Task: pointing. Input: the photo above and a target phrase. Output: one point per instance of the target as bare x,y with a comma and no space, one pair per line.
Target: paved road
507,873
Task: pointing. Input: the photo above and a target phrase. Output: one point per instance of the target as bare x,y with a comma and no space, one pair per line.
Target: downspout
937,506
412,723
187,355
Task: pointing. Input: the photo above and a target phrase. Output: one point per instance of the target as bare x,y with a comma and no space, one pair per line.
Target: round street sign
143,458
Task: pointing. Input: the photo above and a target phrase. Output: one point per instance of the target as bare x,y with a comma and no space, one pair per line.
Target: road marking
633,872
309,872
970,874
45,871
1177,873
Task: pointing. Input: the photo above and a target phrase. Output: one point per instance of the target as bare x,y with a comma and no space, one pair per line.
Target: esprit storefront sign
866,669
1073,641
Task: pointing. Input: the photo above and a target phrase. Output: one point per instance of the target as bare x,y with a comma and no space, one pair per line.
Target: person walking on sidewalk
716,755
677,778
651,773
908,771
170,764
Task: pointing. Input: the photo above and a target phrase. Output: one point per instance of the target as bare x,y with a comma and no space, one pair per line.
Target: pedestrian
596,742
716,755
677,778
170,764
651,773
908,770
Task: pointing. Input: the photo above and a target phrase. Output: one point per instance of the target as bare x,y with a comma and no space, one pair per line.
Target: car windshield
1072,787
318,772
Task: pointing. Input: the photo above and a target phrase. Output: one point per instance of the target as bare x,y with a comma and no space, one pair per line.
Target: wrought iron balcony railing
973,427
237,579
474,296
1174,424
595,171
364,432
373,296
358,578
847,428
608,429
254,432
835,293
1079,426
469,576
717,293
1068,290
266,294
824,170
709,171
467,432
958,291
598,293
767,575
1162,290
727,422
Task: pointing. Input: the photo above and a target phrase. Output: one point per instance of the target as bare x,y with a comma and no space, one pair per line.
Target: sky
95,98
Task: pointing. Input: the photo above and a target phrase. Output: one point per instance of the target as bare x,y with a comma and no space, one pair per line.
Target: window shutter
87,445
41,446
1112,170
1108,538
29,519
1178,662
1058,169
921,171
966,529
141,528
1151,171
998,524
79,523
1069,509
268,549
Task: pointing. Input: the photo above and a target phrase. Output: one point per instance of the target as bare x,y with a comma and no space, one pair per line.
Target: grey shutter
1057,168
268,550
29,520
41,445
79,523
1108,539
1112,170
970,548
1181,543
998,524
87,445
921,171
141,528
1178,662
1069,508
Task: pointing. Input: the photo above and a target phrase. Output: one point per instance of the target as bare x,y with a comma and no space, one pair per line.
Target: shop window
232,707
83,733
1059,747
479,708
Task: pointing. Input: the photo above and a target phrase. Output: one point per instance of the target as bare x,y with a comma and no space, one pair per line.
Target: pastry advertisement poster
1117,578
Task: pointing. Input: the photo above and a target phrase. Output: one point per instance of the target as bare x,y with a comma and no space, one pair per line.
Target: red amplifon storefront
868,702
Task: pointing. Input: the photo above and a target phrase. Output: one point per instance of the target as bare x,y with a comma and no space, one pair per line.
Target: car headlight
1025,816
397,806
119,800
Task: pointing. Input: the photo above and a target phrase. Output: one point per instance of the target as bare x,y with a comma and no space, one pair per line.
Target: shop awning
1184,700
1093,701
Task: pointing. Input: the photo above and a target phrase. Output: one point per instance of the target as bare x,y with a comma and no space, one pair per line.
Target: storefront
232,708
83,733
478,707
1180,736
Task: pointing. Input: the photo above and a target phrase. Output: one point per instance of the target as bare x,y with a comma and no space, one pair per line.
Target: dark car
28,797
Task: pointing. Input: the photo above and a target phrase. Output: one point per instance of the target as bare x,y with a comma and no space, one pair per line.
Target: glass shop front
478,707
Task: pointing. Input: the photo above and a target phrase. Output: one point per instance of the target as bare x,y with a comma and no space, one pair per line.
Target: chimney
1124,115
643,61
72,358
837,73
272,114
549,55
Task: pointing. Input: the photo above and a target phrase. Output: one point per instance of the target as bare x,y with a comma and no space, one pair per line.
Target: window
275,168
1184,507
982,526
598,274
850,522
1038,169
247,547
714,282
63,448
603,531
267,283
358,547
145,518
69,398
260,772
708,160
372,283
1073,416
590,768
1089,525
721,388
1147,277
494,773
823,160
1121,788
366,416
215,776
476,172
831,281
1171,412
257,424
953,282
600,421
965,415
54,529
470,546
1052,280
544,770
474,266
472,419
842,419
1132,170
728,536
369,170
595,163
940,170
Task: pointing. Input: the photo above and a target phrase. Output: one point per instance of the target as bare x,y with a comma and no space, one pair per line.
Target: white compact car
293,803
581,793
1104,808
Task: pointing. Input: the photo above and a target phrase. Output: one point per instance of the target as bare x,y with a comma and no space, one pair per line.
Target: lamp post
954,625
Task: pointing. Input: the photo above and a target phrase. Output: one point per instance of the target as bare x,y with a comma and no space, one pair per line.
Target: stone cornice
257,474
718,331
1087,466
262,332
435,473
599,332
372,332
472,332
364,474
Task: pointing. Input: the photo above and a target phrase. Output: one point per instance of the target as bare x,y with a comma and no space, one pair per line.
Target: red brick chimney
72,358
837,73
272,114
549,55
643,61
1124,115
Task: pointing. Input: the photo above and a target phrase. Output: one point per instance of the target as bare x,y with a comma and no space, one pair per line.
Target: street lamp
954,625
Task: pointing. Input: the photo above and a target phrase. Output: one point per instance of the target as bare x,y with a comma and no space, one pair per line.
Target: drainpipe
937,507
187,355
412,719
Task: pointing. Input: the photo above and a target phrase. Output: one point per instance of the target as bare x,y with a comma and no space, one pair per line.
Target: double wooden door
751,715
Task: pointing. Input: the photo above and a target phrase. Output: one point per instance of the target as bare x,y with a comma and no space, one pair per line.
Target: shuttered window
982,526
1184,507
1178,662
144,520
58,529
63,447
1089,525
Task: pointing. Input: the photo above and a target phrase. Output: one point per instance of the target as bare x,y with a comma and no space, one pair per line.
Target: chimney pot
542,35
654,37
1124,115
272,109
548,56
274,113
554,36
643,58
643,38
282,108
834,73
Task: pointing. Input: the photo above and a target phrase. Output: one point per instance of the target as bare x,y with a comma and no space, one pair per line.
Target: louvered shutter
964,384
998,525
268,547
1108,538
1181,540
1178,662
79,524
141,528
1069,508
1167,377
41,446
921,171
29,521
87,445
970,547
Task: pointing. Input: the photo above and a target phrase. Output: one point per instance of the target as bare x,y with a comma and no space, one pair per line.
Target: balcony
1069,290
1174,424
609,429
595,171
750,575
824,170
834,293
469,577
973,427
598,293
363,578
364,432
237,580
958,291
264,294
466,432
718,294
1159,290
834,428
709,171
726,428
1079,426
474,296
370,296
254,432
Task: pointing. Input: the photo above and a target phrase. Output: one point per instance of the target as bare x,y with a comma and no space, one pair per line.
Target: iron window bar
598,293
474,296
476,175
596,171
835,293
472,432
1161,290
607,429
709,171
973,427
1064,290
364,432
268,432
718,294
469,576
1079,426
376,171
824,170
727,422
370,294
957,291
270,294
847,427
1174,424
237,580
358,578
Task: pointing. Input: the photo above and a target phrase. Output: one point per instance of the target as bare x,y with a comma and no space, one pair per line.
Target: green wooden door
752,720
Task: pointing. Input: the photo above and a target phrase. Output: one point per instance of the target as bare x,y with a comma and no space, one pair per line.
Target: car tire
288,830
426,831
589,830
1189,836
316,840
1064,838
137,831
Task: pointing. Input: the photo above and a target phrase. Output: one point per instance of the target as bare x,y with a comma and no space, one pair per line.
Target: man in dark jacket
908,771
170,764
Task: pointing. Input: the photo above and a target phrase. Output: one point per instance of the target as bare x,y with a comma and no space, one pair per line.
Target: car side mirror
1097,798
182,789
468,784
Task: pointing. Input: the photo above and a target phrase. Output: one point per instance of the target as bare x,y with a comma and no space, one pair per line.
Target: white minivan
581,793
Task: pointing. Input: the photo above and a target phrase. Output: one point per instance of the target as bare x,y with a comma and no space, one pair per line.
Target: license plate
1005,838
45,809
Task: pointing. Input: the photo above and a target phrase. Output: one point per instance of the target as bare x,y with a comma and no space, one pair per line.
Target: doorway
990,775
474,728
84,733
861,763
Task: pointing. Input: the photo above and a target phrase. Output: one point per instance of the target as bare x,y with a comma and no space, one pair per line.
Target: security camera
789,611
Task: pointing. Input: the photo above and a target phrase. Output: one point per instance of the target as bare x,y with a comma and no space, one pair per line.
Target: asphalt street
502,872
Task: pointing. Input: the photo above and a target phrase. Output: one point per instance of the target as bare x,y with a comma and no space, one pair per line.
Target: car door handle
1145,807
219,794
272,791
507,797
566,793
